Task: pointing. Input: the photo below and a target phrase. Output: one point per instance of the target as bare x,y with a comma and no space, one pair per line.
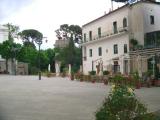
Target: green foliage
66,31
44,60
28,54
136,76
50,53
6,48
12,31
69,55
134,42
92,72
33,70
31,36
105,72
121,104
118,79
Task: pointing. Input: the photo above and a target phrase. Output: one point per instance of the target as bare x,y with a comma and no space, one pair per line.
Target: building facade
3,37
106,40
61,43
14,67
3,33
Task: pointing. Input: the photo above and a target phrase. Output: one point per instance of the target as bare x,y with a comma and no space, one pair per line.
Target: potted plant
92,72
133,44
105,80
93,77
105,72
105,77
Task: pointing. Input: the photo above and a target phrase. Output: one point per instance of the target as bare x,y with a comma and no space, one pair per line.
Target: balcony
106,35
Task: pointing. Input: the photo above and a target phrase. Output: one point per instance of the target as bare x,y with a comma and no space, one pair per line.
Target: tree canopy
66,31
12,31
31,36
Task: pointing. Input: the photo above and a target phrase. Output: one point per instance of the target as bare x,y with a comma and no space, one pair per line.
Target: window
115,49
84,37
84,53
125,48
100,51
90,52
99,32
84,48
124,22
90,35
115,27
152,39
152,20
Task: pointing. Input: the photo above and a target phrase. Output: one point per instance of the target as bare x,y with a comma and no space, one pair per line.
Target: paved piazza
27,98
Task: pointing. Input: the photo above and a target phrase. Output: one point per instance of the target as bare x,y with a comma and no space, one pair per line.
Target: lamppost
39,42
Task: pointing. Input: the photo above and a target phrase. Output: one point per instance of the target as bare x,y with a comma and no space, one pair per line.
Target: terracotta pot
105,82
93,81
138,85
153,82
157,83
72,77
81,80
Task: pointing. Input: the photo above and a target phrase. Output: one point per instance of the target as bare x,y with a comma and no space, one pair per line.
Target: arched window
124,22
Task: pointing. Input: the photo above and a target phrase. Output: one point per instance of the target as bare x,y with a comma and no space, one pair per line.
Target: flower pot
157,83
81,80
72,77
106,82
93,81
138,85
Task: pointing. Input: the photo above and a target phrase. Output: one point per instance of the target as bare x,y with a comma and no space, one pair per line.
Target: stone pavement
27,98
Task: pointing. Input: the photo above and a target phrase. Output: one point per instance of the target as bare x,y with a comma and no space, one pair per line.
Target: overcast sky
47,15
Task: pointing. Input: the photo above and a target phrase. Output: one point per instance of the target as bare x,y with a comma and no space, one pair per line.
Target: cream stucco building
3,33
3,37
14,67
106,40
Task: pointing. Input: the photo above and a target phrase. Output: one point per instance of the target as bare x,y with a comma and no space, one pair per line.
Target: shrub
33,70
92,72
105,72
121,104
117,79
48,74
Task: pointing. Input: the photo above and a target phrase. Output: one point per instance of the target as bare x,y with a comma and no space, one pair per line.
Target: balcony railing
107,34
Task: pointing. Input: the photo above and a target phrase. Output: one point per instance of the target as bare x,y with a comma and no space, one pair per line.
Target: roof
127,5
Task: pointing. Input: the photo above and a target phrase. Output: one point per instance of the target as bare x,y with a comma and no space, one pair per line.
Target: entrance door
126,66
116,67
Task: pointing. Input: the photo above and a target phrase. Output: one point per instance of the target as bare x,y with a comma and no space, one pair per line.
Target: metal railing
106,34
